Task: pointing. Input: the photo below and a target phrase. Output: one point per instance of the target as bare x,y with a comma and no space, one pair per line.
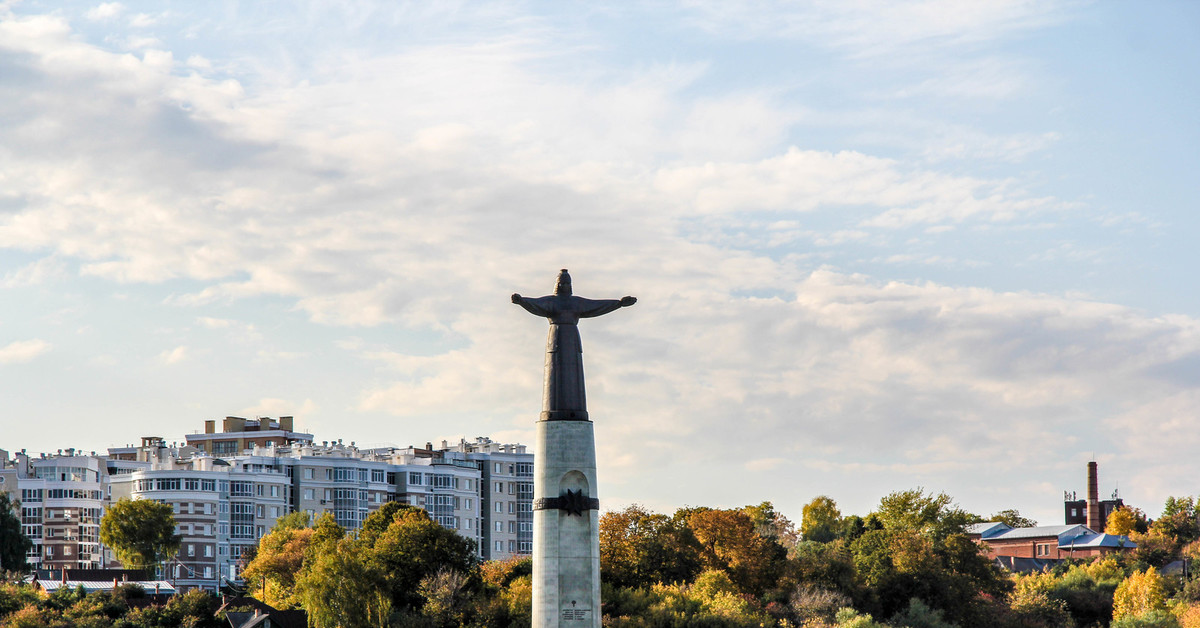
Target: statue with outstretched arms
563,396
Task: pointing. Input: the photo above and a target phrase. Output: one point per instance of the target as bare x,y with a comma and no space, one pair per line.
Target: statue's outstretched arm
596,307
531,305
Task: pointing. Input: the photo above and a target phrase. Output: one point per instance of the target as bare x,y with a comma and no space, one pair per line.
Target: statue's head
563,287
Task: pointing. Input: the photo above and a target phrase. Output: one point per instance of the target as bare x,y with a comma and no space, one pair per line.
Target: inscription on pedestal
576,614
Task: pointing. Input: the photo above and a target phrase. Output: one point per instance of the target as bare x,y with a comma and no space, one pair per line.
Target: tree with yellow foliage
1121,522
1140,593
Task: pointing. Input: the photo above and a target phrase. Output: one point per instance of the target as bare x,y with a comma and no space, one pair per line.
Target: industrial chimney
1093,498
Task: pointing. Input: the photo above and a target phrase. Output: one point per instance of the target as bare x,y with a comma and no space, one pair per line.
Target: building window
499,546
500,507
496,469
308,474
208,572
191,550
499,526
308,493
1043,549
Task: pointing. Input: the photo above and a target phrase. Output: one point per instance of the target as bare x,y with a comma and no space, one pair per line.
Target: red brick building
1046,542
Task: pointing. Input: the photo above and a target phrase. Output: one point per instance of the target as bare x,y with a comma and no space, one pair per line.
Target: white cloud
173,356
412,190
105,11
35,273
21,351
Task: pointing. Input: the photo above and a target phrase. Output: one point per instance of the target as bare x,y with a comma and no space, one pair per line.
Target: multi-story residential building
225,502
239,435
506,476
62,500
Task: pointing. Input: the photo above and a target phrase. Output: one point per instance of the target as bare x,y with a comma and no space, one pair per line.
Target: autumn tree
630,547
1121,522
1013,519
820,520
273,571
140,532
14,545
1141,593
729,542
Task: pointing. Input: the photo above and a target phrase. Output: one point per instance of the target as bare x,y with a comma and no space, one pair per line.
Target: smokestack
1093,499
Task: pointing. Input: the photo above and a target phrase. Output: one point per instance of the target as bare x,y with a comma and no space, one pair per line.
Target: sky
876,245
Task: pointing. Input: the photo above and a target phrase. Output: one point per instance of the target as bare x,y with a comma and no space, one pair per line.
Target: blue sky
876,245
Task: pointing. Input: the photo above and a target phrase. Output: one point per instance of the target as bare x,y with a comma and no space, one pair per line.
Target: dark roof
282,619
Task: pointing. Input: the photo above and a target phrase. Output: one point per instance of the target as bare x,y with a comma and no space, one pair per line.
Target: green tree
140,532
820,521
1013,519
772,524
341,588
13,542
413,547
921,552
293,521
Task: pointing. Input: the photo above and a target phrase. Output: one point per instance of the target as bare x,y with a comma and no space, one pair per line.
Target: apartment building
225,502
239,435
62,500
506,477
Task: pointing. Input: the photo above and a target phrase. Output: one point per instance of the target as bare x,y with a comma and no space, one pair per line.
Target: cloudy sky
876,245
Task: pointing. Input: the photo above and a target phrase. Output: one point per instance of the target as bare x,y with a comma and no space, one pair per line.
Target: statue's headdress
563,287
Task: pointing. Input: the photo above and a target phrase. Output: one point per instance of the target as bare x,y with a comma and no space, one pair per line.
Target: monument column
566,515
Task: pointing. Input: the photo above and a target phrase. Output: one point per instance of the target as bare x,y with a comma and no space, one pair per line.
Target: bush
1151,619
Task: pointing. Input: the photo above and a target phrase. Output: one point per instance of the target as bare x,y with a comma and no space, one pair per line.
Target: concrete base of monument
566,527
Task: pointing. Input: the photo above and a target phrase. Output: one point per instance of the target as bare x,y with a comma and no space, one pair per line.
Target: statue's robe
563,397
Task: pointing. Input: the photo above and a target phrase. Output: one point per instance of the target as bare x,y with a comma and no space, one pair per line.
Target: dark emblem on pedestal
574,502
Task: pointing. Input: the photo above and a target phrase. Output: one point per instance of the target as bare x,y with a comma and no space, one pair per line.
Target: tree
1140,593
820,521
140,532
341,588
921,551
293,521
771,524
13,542
273,571
728,542
412,547
1013,519
629,547
1121,522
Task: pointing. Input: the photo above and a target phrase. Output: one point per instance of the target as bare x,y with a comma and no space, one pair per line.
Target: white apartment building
62,500
225,503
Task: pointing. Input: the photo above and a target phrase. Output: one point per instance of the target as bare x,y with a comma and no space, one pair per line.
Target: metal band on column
574,502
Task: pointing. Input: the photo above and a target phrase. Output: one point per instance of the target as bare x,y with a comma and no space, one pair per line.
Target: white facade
224,505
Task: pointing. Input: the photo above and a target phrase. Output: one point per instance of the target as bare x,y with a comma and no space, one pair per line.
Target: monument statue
563,396
566,521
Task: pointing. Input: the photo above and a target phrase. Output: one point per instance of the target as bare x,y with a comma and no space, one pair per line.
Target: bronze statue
563,398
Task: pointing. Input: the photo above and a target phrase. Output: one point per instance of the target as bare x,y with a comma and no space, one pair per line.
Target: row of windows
514,507
524,547
66,474
175,484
